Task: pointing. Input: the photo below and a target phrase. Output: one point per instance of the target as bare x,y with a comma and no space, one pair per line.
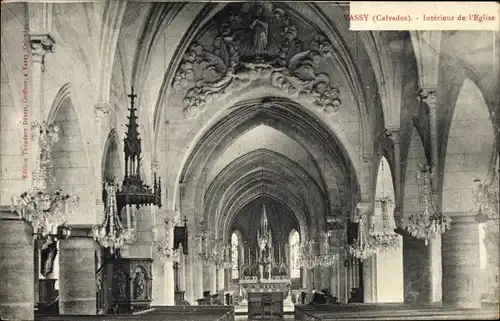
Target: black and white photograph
249,160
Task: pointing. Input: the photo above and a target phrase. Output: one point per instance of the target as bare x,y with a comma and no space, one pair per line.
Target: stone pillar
394,135
158,282
182,272
16,263
198,282
221,279
190,270
213,279
169,265
77,285
304,274
100,111
169,286
461,273
434,249
41,44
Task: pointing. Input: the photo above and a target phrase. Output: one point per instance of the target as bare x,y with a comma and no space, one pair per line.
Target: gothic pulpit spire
134,191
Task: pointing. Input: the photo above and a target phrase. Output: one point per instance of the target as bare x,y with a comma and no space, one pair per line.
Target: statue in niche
257,41
139,283
48,254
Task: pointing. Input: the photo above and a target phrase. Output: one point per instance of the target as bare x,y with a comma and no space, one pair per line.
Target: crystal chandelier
362,247
214,252
111,233
306,258
44,206
329,255
430,222
486,200
166,250
384,238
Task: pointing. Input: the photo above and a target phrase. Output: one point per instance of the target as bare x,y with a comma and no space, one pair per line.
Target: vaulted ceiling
304,100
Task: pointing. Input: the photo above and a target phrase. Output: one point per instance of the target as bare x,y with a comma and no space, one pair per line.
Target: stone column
190,270
198,270
434,248
221,279
182,272
169,266
16,263
304,272
461,273
41,44
213,279
77,285
100,111
394,135
158,282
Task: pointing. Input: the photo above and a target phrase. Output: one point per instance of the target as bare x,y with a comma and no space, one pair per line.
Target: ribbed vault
283,115
265,189
269,170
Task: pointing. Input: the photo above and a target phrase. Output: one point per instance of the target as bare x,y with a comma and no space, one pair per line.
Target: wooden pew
389,311
158,313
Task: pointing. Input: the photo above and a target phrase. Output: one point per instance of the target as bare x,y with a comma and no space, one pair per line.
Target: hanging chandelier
111,233
134,193
486,200
306,258
384,238
362,247
309,257
44,206
214,252
430,222
381,233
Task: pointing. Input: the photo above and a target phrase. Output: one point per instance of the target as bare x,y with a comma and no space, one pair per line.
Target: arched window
235,254
294,241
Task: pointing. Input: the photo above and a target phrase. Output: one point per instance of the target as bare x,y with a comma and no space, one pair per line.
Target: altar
254,284
266,297
264,282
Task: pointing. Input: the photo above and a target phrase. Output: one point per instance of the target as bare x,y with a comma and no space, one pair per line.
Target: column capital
461,217
394,134
366,157
41,44
101,109
363,208
429,96
155,166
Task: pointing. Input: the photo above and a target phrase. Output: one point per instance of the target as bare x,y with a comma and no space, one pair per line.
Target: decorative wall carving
257,42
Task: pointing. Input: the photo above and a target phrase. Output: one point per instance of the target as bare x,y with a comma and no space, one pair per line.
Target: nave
244,160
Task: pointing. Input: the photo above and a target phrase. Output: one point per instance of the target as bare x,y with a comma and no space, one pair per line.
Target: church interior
244,161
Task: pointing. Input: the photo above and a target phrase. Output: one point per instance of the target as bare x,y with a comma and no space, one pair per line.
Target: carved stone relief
259,42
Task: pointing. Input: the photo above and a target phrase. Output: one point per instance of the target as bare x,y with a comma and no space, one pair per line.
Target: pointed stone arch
283,115
112,163
471,149
71,164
